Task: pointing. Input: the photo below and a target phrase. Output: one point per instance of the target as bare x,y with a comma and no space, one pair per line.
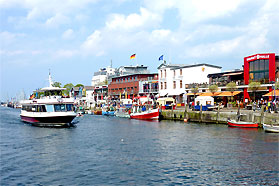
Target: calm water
115,151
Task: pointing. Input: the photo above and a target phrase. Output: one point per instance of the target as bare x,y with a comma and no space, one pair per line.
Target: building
126,70
262,68
174,79
131,85
101,77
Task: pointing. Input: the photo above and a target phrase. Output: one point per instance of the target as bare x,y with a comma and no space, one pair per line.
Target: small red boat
146,115
244,124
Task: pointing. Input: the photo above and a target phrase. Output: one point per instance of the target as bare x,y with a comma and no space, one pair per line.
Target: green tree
231,87
195,90
57,84
213,89
254,86
68,87
277,85
79,85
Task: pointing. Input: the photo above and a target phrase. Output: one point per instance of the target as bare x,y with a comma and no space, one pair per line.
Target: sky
75,38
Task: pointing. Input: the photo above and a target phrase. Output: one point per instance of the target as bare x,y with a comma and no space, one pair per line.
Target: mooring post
217,117
201,113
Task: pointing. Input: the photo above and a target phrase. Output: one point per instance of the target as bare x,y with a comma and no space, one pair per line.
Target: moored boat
48,108
152,114
244,124
122,112
97,112
271,128
108,113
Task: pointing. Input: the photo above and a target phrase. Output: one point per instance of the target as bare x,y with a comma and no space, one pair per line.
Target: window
49,108
162,86
161,73
165,85
173,73
165,73
181,72
60,108
180,83
174,84
258,70
69,107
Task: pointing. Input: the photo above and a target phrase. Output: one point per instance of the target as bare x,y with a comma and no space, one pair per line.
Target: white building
102,75
173,79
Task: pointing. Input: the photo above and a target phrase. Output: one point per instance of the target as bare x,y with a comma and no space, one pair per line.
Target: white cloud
68,34
57,20
93,44
133,21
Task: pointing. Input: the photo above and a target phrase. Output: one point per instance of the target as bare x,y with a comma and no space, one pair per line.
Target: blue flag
161,57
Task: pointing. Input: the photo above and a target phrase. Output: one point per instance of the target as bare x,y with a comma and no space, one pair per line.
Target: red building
127,86
262,68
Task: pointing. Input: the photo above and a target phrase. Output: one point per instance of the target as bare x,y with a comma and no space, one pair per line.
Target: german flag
133,56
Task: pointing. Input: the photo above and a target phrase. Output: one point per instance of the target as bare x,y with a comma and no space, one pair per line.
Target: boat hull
242,124
48,119
146,115
271,128
108,113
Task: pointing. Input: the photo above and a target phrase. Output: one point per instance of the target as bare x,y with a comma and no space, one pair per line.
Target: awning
233,74
210,94
272,93
192,94
227,93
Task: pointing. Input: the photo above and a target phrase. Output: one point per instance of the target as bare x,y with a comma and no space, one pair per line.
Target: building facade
101,77
174,79
129,86
261,68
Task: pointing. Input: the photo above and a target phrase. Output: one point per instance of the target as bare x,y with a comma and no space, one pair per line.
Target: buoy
185,120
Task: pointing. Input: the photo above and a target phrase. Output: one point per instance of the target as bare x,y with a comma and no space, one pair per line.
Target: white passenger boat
48,108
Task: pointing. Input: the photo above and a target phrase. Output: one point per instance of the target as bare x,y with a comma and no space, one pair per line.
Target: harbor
103,150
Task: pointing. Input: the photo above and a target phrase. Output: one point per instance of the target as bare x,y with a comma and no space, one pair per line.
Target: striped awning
272,93
227,93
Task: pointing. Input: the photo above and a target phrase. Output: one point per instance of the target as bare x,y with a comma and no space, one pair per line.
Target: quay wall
220,117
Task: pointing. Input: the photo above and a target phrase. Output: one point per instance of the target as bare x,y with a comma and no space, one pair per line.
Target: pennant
161,57
133,56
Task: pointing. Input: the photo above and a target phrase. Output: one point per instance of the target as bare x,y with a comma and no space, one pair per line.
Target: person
193,104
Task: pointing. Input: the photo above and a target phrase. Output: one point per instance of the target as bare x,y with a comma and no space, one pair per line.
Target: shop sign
257,56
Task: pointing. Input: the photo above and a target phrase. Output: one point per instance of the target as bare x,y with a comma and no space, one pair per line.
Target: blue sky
76,38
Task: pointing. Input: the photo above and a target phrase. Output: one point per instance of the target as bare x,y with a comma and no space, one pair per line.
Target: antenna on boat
50,79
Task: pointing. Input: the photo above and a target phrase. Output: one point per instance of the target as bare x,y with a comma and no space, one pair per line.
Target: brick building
127,86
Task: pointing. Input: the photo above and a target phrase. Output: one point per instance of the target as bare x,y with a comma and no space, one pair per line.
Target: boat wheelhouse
47,107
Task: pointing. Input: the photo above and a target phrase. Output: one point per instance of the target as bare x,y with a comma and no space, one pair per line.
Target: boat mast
50,79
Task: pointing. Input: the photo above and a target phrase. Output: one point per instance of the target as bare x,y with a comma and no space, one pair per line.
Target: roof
210,94
196,65
228,73
170,65
126,75
89,87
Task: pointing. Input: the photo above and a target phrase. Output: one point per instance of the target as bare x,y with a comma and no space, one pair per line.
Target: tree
68,87
195,90
277,85
79,85
57,84
213,89
231,87
254,86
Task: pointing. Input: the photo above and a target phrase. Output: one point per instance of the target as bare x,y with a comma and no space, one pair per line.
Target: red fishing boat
146,115
244,124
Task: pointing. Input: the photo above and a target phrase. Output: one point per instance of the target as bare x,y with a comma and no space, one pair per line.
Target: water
118,151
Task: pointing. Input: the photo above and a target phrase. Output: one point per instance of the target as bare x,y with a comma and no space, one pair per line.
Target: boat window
69,107
60,108
49,108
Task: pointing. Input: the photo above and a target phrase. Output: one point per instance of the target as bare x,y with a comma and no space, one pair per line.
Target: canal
117,151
